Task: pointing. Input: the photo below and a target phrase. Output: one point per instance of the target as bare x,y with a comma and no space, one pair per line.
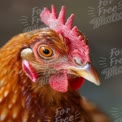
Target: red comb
58,24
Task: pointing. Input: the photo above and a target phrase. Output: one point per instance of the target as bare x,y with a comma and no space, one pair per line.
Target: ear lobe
29,71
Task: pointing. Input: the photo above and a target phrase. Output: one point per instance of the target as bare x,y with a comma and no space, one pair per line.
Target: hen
41,70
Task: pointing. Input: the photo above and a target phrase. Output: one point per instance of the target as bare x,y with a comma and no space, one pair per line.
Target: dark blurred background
100,21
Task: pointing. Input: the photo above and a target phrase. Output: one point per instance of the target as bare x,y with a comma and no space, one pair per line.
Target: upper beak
87,72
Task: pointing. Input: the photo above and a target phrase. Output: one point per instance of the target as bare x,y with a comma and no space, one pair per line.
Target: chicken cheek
29,71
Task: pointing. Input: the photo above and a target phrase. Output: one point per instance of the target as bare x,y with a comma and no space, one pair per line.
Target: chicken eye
45,51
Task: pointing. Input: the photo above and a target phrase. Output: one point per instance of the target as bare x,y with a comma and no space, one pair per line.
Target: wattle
58,82
76,83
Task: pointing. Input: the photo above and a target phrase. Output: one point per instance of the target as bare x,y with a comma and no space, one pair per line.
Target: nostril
78,61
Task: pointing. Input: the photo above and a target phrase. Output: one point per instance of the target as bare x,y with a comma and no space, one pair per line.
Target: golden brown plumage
22,100
40,72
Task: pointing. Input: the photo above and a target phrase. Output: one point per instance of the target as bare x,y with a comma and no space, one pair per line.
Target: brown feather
24,101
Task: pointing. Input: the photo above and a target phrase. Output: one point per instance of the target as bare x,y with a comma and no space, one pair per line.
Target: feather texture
25,94
24,101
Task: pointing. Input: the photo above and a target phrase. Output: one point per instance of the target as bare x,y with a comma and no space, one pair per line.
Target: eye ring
45,51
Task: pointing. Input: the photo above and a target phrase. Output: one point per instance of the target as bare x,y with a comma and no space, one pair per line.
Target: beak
87,72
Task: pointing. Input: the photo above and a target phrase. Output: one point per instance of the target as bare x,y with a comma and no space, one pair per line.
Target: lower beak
87,72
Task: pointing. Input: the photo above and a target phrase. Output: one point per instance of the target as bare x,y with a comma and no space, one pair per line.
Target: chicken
41,70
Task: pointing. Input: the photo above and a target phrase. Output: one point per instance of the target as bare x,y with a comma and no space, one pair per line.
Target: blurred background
100,21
